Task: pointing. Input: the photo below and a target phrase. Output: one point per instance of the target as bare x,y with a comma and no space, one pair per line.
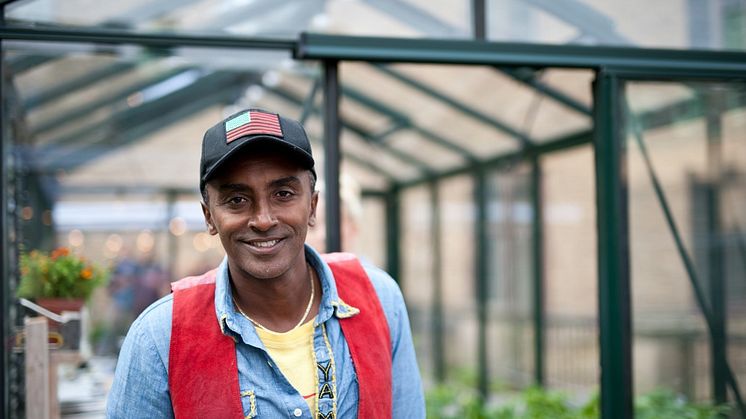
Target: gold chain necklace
302,320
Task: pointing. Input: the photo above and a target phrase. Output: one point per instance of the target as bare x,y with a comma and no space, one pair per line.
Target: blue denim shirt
140,388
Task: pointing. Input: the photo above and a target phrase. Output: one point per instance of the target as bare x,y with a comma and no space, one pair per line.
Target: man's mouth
263,244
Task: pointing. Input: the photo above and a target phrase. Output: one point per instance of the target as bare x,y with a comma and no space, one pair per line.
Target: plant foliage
457,401
59,274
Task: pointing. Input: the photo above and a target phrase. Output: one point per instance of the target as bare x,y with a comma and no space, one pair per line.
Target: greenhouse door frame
610,135
612,66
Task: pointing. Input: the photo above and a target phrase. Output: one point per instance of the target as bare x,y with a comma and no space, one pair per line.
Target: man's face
261,206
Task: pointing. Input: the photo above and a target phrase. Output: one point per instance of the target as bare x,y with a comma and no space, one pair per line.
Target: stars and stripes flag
252,123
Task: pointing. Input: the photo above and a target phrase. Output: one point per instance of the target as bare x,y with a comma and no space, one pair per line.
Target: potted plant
59,281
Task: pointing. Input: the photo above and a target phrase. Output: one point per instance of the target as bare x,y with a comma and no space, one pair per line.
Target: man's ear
314,203
208,219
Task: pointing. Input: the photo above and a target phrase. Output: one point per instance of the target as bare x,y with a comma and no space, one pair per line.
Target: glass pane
105,145
571,278
678,24
692,143
675,24
510,329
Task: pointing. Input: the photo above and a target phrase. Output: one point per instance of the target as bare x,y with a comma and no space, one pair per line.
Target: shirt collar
233,324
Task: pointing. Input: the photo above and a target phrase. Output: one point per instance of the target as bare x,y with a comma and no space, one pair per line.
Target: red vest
205,386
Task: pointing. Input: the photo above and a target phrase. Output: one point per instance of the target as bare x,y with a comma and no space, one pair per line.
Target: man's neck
276,303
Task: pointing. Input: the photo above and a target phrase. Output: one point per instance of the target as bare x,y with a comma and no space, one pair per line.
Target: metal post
4,230
437,274
172,241
613,250
714,252
480,263
537,241
479,19
393,253
332,155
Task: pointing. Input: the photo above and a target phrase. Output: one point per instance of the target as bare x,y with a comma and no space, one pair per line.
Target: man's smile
263,245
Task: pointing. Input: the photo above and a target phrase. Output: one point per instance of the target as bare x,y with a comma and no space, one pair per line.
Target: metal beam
467,110
22,63
84,111
393,233
437,28
150,11
77,83
715,254
429,135
360,132
5,230
479,19
560,143
416,18
584,17
614,301
537,263
332,156
481,278
528,77
438,319
713,64
144,120
119,37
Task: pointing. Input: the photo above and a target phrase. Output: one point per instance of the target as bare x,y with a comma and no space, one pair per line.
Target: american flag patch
252,123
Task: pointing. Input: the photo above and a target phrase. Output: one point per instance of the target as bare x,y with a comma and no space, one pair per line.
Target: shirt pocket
248,401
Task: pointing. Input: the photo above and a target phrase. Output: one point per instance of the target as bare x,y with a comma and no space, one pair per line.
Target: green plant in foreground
664,404
454,401
59,274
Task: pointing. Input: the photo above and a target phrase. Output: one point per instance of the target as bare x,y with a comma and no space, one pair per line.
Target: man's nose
263,219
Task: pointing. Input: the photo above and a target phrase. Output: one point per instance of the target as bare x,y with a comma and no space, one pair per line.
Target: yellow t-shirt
292,351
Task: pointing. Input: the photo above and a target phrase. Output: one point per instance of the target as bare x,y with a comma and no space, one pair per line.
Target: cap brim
242,144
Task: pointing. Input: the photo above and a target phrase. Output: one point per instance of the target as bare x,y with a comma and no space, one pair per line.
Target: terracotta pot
58,305
66,336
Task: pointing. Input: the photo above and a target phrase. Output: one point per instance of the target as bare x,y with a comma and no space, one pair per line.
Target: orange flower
60,252
86,273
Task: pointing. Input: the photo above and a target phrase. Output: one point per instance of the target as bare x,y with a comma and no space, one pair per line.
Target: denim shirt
140,388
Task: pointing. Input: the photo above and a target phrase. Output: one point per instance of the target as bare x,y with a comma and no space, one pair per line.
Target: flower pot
66,335
58,305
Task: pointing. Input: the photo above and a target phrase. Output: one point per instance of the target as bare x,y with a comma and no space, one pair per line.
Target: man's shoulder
386,288
155,321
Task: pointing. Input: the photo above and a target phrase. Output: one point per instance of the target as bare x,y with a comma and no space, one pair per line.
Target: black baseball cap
252,126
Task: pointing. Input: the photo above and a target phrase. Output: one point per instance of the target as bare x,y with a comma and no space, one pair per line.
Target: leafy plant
59,274
454,401
664,404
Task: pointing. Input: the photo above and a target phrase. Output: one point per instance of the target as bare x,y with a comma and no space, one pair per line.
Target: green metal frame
85,80
332,155
714,319
635,61
537,264
523,139
437,323
613,66
5,274
614,301
481,267
119,37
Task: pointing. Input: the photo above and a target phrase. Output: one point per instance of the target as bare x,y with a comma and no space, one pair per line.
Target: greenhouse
558,187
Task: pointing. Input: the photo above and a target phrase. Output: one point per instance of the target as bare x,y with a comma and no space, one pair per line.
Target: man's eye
236,200
285,194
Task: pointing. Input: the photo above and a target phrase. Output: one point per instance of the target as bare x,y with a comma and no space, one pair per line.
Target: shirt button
297,413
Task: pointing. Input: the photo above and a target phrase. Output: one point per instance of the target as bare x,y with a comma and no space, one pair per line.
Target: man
276,330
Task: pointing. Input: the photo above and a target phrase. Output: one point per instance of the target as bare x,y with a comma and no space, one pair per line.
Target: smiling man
277,330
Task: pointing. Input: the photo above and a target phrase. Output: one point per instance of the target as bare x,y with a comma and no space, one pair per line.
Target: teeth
269,243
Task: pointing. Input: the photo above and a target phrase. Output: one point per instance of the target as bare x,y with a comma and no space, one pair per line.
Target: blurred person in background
277,330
